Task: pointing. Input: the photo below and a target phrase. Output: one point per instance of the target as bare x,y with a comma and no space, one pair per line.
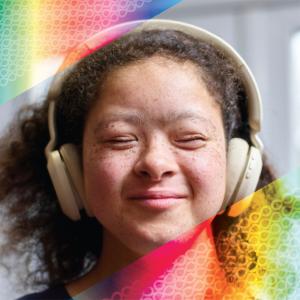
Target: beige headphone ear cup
248,183
71,156
236,160
244,165
62,186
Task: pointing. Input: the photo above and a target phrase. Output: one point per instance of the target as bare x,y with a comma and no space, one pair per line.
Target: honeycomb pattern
254,256
188,277
32,30
258,252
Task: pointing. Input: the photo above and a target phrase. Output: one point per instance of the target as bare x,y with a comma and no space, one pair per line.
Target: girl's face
154,153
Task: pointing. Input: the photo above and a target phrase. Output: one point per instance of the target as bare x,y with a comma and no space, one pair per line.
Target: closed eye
121,140
191,142
192,139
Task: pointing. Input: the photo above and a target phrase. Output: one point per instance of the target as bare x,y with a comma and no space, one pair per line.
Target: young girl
150,135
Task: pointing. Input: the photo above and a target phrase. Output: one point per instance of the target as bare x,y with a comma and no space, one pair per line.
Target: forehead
156,78
156,69
156,88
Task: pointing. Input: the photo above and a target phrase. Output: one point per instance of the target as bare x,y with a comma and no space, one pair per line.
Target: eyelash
121,140
192,139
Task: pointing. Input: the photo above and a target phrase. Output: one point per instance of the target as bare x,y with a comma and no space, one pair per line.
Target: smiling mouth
158,200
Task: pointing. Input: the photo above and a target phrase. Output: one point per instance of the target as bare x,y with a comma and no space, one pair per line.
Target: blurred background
267,35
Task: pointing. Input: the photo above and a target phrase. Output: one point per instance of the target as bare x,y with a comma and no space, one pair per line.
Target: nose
155,162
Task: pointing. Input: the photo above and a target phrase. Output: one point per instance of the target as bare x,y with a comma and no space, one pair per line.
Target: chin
148,241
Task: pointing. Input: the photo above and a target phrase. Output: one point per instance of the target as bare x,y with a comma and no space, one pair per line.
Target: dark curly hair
55,249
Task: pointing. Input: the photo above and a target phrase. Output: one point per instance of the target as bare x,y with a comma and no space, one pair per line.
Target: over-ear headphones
244,161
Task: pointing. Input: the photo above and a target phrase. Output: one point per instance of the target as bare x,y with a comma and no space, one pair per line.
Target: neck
114,256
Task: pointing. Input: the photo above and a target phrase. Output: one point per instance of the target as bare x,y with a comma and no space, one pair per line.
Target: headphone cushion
237,155
62,185
250,176
71,156
244,165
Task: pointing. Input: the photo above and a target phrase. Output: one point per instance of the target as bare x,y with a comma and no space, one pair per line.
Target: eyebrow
139,119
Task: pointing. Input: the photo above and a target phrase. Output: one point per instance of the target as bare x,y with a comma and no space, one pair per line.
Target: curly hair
35,226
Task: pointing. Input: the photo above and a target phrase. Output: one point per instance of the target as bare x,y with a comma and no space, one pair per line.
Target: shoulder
54,293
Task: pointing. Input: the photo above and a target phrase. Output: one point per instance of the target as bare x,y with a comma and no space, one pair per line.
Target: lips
158,200
155,195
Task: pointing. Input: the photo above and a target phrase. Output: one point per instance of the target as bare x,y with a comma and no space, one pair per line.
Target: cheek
207,172
105,170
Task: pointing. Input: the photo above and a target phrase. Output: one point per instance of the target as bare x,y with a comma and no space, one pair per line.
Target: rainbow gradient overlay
254,256
36,34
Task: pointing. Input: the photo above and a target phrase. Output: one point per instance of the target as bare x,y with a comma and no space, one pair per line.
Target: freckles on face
104,170
206,175
154,153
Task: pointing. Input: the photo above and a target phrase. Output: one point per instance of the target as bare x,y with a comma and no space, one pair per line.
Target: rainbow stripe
35,35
